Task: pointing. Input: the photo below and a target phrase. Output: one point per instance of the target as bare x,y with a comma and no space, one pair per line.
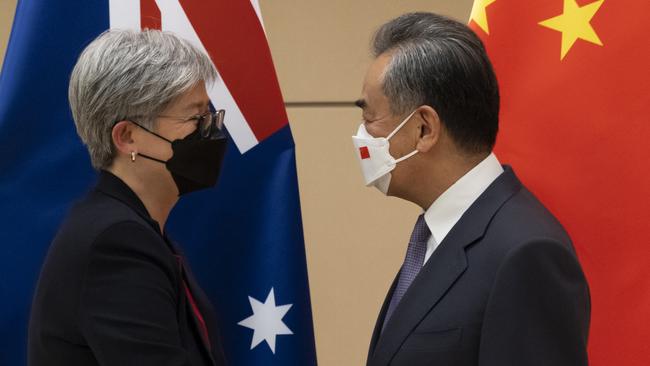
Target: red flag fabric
574,125
247,68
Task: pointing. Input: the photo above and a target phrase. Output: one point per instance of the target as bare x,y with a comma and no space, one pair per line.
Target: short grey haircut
129,74
440,62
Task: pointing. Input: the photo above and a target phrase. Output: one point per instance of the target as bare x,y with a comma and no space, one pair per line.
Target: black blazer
111,291
504,288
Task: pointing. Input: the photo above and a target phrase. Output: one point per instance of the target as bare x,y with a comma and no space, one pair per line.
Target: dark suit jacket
111,291
504,288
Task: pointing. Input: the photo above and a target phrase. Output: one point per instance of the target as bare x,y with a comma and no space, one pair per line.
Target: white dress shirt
445,211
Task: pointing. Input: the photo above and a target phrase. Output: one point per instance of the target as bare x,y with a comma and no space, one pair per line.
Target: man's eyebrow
361,103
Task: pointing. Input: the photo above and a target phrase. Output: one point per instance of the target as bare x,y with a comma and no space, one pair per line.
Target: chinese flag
574,78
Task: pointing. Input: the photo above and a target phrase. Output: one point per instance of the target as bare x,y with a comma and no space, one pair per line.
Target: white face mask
374,156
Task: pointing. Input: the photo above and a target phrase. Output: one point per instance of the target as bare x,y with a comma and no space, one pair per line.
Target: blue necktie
412,264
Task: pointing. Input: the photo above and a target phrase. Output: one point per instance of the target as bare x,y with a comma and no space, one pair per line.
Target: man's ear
122,135
430,128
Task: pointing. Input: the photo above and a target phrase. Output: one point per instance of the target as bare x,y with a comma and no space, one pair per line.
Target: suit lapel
209,314
380,318
187,277
213,349
445,266
440,272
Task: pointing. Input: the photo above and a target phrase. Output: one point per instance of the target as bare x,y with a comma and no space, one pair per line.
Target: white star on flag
266,321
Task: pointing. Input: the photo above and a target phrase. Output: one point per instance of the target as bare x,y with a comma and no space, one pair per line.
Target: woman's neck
156,196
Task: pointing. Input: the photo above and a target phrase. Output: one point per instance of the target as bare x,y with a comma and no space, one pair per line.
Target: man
490,276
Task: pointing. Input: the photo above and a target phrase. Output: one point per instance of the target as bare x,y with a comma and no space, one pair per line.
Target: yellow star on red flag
573,23
479,16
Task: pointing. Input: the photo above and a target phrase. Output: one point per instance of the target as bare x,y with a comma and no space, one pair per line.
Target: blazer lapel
380,319
213,349
445,266
188,279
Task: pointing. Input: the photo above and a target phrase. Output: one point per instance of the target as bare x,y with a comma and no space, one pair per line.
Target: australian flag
243,239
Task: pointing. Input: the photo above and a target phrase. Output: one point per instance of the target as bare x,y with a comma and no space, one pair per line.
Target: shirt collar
115,187
447,209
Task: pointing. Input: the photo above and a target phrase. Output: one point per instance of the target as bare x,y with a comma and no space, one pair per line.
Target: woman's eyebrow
197,105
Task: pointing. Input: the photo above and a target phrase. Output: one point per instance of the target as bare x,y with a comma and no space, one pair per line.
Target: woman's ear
122,137
430,128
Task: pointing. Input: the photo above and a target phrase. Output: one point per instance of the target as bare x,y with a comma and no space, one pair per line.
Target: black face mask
196,161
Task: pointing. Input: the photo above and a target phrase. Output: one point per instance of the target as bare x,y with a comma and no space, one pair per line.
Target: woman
113,289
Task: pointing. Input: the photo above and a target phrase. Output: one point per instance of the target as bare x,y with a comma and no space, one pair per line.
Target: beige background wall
6,17
355,238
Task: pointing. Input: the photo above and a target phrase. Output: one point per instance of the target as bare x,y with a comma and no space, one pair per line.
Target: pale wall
6,16
355,238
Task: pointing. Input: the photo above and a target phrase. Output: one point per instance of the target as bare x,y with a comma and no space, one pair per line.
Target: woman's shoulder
102,230
102,219
97,211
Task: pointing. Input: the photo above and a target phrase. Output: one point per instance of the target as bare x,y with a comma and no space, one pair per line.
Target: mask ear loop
147,156
401,125
395,131
151,132
406,156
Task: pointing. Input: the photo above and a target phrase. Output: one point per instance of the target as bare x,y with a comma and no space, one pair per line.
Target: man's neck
434,182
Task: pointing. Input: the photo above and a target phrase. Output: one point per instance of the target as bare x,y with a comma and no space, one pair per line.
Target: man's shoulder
522,219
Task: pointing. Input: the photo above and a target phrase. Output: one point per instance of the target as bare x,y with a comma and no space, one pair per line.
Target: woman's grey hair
440,62
128,74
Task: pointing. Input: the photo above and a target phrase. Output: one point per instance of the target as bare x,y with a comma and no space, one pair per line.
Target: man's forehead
372,92
378,67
